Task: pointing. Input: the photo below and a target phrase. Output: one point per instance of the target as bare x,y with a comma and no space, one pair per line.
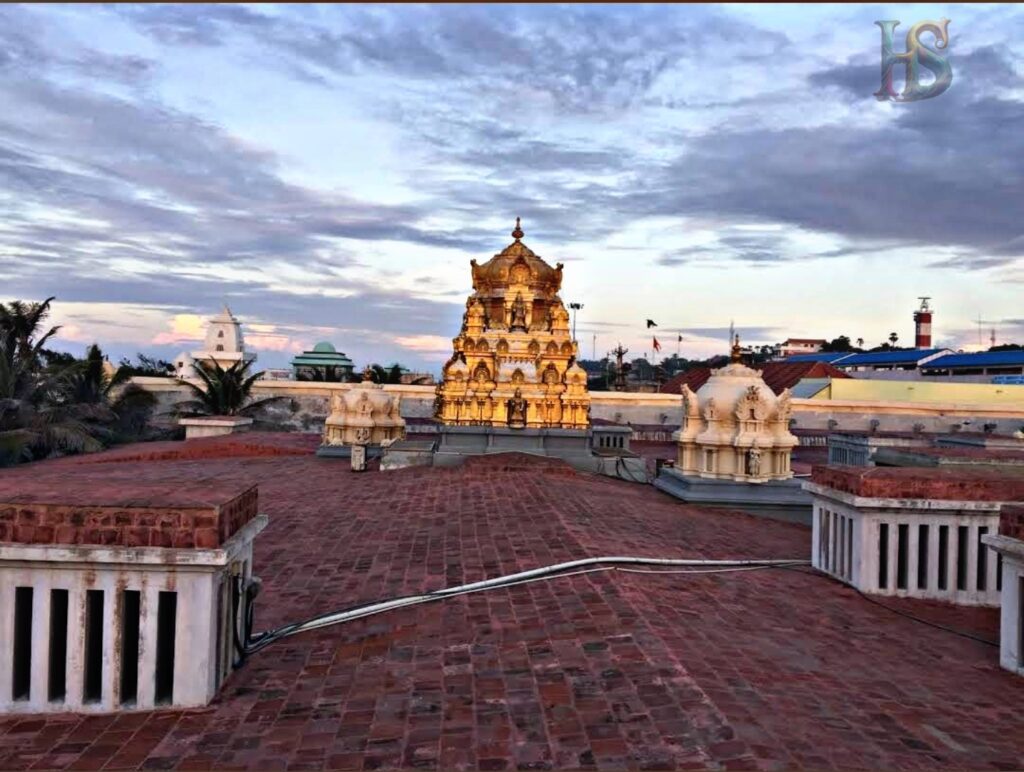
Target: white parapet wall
305,405
1010,546
915,548
94,629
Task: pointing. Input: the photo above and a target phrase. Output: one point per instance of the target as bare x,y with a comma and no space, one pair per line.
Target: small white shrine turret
735,427
365,415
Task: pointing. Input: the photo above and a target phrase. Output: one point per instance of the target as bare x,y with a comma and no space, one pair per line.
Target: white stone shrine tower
224,344
735,428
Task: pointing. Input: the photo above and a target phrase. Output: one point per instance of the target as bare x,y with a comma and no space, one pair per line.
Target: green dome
323,347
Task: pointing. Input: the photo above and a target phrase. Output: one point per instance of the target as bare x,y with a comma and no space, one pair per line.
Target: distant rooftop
979,359
818,356
907,356
323,355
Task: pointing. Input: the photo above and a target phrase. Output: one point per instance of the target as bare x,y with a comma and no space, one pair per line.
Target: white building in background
224,344
792,346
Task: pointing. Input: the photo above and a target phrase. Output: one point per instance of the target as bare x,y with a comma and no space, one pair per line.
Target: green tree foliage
52,404
379,374
840,344
21,335
328,373
223,392
146,367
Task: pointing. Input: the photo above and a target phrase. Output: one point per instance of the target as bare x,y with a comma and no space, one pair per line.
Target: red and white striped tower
923,325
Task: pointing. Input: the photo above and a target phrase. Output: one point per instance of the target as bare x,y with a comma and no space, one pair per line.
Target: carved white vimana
735,427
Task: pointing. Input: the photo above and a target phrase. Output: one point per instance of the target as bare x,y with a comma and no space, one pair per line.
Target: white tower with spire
224,344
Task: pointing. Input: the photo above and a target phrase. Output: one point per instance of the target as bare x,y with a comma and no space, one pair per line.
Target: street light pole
575,307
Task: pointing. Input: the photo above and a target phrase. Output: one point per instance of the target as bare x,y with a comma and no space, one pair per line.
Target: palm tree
380,374
62,405
893,337
223,392
20,324
36,421
860,343
107,398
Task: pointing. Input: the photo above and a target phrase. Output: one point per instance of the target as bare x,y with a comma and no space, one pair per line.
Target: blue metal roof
980,359
818,356
908,357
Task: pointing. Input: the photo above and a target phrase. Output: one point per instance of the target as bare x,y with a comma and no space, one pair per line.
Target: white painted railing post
40,668
6,638
148,605
75,672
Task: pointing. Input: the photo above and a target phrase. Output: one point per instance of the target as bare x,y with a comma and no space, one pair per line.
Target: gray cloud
584,58
745,333
502,111
946,172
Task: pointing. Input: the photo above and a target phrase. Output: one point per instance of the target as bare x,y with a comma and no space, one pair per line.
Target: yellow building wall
865,390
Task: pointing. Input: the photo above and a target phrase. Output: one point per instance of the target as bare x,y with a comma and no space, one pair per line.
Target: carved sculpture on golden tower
514,361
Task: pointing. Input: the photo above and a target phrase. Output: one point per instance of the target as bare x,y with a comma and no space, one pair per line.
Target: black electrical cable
263,640
900,612
253,644
620,466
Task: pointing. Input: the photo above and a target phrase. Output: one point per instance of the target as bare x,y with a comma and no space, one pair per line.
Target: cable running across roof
624,564
254,643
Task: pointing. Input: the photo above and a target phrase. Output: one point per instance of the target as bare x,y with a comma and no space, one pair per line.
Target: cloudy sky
329,172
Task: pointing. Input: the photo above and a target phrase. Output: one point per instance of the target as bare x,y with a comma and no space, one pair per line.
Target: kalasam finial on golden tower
737,353
518,232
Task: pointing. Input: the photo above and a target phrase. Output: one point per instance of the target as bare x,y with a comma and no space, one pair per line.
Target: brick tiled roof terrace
759,669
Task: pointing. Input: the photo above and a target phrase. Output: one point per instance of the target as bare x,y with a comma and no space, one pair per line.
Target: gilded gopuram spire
513,362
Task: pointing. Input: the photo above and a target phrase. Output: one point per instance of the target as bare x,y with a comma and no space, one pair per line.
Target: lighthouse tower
923,325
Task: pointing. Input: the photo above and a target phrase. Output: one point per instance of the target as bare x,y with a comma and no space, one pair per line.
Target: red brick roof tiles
760,669
777,375
694,378
97,510
1011,521
947,484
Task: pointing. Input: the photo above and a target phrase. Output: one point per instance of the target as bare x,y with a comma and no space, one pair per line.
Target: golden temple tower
514,361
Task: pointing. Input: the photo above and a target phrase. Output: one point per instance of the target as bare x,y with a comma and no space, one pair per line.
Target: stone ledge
1005,545
929,506
949,456
135,557
228,421
114,513
214,426
937,483
779,499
